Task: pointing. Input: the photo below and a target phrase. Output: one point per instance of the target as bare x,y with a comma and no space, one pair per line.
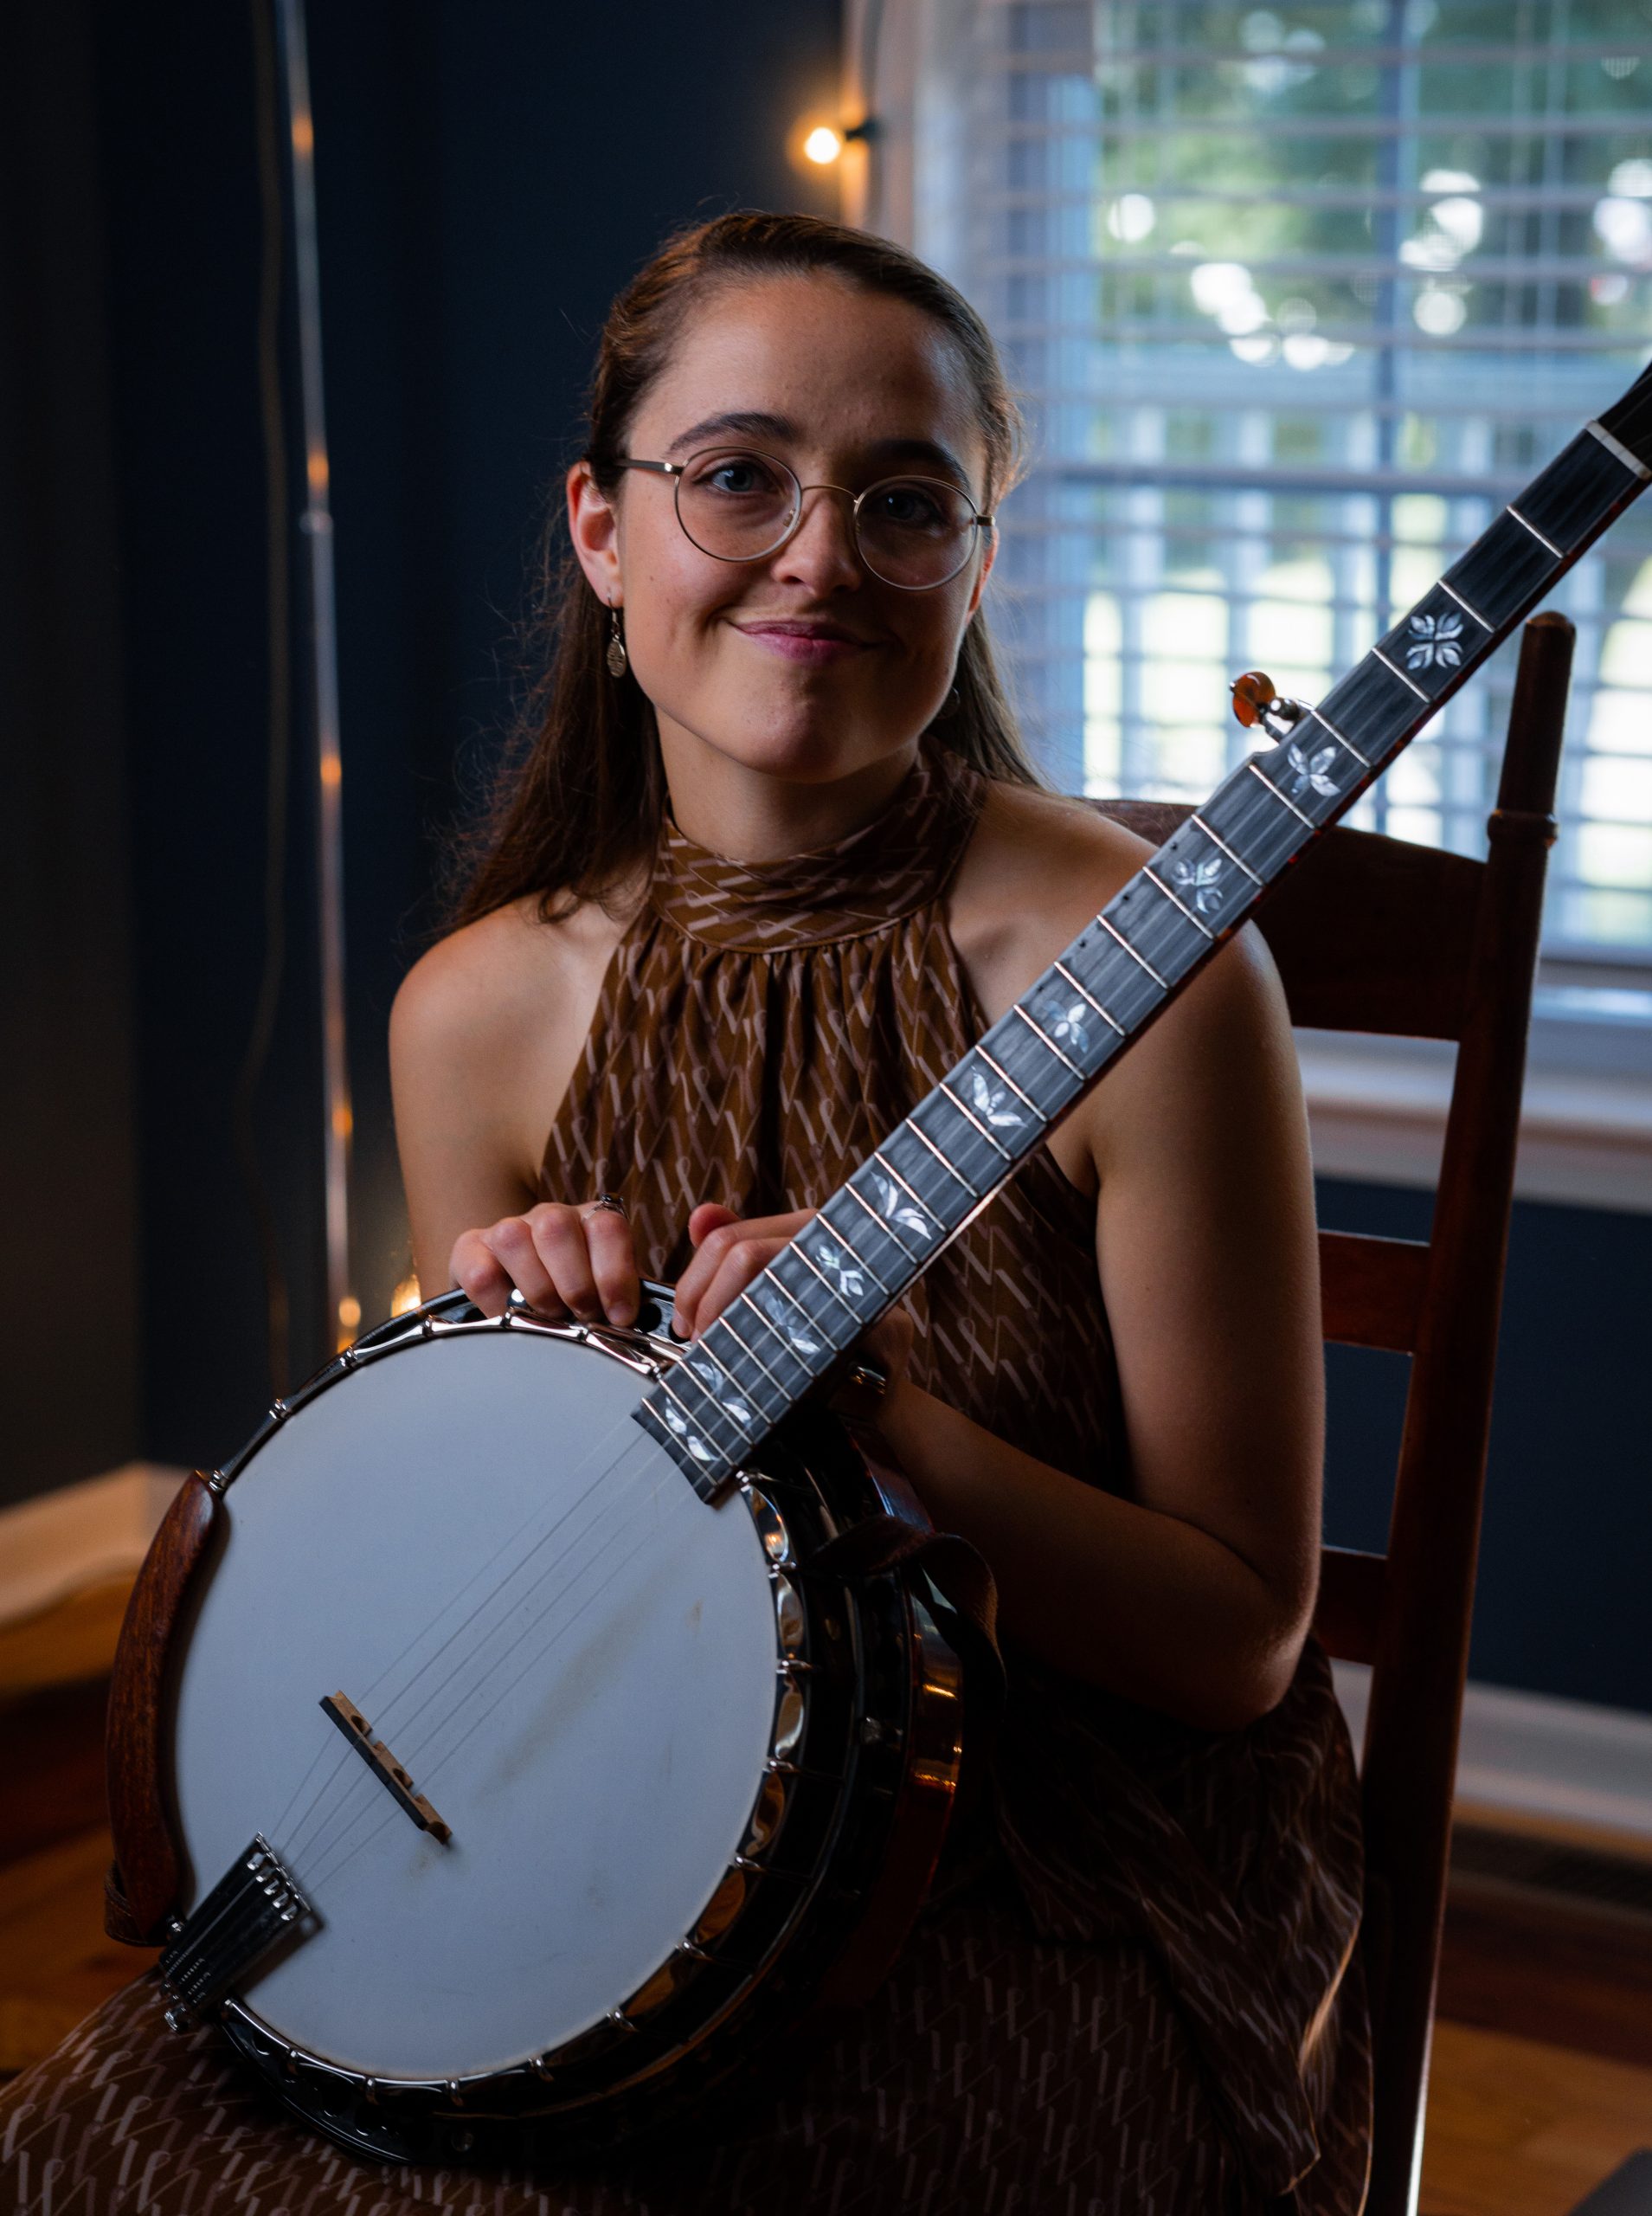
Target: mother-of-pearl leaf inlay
786,1319
679,1422
716,1383
1198,884
895,1208
990,1101
851,1282
1434,639
1064,1013
1312,769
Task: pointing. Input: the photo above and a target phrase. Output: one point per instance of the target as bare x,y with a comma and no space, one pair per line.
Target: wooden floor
1541,2084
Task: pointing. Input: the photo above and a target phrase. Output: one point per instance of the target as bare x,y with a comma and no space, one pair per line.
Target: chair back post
1422,1654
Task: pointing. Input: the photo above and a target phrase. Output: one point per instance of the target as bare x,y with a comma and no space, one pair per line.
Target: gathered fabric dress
1144,1997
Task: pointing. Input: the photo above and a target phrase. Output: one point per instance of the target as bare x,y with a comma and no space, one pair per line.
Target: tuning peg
1255,702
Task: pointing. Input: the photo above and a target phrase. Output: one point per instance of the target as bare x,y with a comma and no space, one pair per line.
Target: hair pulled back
578,799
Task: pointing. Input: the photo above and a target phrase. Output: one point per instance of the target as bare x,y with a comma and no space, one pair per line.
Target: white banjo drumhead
572,1655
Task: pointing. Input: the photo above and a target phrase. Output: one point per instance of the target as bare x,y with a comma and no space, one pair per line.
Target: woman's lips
804,643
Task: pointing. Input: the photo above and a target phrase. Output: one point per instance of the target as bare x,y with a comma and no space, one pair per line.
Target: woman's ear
988,560
593,527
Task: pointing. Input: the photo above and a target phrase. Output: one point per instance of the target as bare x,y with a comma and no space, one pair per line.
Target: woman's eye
913,506
739,475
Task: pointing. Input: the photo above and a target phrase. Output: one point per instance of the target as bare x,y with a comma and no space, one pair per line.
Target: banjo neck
935,1172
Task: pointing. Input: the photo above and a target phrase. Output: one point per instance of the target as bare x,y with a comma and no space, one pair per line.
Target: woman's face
804,664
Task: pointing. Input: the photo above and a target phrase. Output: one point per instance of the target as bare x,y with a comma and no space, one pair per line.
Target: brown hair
577,802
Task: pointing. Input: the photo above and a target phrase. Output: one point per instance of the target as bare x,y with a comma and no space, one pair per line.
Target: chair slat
1371,1290
1349,1608
1370,933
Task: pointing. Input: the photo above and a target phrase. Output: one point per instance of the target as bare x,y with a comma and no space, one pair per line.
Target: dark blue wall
1567,1544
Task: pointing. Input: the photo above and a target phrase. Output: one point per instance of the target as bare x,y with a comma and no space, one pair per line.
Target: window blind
1296,298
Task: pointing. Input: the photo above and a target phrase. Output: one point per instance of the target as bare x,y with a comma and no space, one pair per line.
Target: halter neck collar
899,861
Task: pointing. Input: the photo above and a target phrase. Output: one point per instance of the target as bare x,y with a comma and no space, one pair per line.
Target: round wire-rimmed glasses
739,506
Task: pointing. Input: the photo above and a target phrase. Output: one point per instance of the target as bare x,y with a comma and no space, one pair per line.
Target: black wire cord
278,1331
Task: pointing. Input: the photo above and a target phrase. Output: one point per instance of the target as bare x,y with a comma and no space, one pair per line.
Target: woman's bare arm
1193,1594
484,1036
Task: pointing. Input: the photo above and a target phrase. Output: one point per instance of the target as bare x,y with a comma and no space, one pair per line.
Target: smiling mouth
803,642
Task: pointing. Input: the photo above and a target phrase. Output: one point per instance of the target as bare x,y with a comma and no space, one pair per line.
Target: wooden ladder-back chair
1372,934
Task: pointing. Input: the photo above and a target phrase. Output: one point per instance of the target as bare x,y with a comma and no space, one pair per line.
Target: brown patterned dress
1146,2001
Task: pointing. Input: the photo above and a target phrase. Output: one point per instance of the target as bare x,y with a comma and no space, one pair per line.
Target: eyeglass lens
738,506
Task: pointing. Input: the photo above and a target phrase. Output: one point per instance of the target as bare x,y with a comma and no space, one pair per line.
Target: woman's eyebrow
758,423
749,422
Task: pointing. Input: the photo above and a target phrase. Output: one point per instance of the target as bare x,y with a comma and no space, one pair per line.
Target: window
1298,297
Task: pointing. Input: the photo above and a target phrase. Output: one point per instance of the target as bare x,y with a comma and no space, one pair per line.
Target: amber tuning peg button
1253,694
1255,702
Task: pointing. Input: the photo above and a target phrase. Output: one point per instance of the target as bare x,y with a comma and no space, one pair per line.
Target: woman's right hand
566,1261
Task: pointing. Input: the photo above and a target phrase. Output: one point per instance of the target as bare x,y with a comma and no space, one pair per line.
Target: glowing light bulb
823,145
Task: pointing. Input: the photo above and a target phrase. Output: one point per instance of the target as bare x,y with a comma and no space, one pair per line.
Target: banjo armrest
142,1890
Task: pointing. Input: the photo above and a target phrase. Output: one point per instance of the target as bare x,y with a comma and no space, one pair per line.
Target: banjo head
583,1669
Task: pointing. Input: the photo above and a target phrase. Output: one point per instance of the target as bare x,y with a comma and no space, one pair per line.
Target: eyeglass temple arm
660,468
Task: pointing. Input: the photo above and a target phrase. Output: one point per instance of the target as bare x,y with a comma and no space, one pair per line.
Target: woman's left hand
729,1251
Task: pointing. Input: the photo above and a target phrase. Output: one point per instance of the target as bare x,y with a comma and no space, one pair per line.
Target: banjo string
326,1875
505,1547
411,1751
386,1718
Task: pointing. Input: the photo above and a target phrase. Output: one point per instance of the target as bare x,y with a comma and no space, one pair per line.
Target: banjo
536,1723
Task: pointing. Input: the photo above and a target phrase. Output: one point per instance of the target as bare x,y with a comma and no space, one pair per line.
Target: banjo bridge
385,1765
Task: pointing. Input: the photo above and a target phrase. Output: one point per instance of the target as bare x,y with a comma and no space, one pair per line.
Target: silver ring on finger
605,1202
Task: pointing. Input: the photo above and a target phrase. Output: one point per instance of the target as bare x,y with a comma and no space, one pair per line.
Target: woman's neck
755,814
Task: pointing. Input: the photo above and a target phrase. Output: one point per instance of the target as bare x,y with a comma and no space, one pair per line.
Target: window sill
1377,1108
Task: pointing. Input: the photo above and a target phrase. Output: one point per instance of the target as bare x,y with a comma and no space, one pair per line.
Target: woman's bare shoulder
489,1024
507,971
1038,867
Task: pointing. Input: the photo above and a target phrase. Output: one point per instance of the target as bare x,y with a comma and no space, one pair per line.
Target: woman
773,859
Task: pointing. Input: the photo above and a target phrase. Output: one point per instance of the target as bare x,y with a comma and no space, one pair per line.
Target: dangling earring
949,706
618,661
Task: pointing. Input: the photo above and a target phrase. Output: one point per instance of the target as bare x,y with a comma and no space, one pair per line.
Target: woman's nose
822,551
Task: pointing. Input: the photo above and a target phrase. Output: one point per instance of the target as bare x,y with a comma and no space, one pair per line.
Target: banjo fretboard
880,1230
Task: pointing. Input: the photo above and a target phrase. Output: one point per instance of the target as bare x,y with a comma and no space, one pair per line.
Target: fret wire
698,1423
1066,975
832,1293
1363,760
1026,1100
1251,764
722,1367
1548,543
1038,1032
997,1144
1222,845
1394,670
916,1198
1199,924
1619,452
751,1351
1467,608
1141,960
888,1229
956,1176
843,1239
814,1322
